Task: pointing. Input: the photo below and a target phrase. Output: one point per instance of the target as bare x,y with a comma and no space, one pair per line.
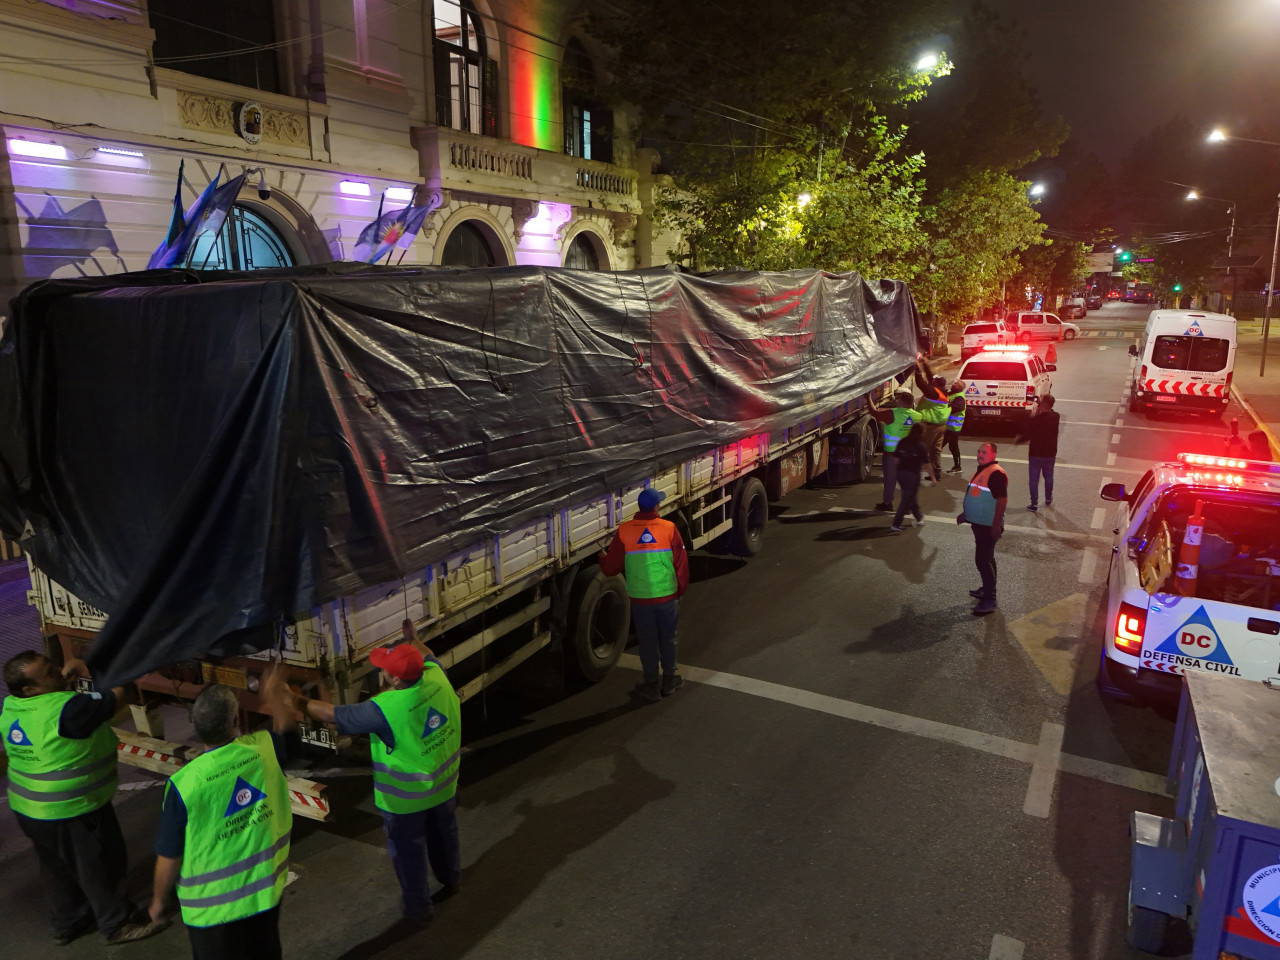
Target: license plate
1164,398
989,411
319,735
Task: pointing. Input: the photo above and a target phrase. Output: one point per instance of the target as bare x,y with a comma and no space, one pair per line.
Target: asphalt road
858,767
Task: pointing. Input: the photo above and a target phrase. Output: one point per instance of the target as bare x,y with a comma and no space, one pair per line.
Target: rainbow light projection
535,86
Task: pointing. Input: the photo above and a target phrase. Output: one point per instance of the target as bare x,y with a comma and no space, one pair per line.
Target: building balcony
459,161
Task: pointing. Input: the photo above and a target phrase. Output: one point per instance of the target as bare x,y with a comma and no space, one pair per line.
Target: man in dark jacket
651,553
1042,432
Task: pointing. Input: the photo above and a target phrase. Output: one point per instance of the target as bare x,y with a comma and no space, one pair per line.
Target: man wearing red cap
415,730
650,552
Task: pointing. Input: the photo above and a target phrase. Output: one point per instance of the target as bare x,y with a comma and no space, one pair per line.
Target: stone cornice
216,89
77,26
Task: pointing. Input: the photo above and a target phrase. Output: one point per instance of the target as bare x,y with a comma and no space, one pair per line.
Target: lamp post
1194,194
1271,289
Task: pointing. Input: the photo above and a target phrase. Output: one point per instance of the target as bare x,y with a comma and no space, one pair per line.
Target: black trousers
984,558
953,445
82,865
253,938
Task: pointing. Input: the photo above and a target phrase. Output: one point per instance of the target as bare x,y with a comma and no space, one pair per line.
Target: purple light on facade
35,148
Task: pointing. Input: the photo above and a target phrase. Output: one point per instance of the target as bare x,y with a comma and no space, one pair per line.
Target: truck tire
867,440
1148,929
750,514
1109,688
600,620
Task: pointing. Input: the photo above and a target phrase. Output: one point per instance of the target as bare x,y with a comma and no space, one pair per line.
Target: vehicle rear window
980,328
1203,354
995,370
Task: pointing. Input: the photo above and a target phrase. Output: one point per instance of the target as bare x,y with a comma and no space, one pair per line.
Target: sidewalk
1260,396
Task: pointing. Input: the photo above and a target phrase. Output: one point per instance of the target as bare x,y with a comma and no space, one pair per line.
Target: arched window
245,242
588,124
467,246
466,79
581,254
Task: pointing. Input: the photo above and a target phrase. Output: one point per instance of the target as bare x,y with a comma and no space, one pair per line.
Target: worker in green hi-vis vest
61,754
415,731
223,839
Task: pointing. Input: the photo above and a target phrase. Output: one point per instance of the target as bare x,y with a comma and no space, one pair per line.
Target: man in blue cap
650,552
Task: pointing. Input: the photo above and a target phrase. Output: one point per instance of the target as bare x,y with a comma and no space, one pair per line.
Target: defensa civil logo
244,796
647,537
435,720
1198,638
17,735
1194,330
1261,896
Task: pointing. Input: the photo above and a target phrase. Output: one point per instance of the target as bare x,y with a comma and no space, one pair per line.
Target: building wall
359,106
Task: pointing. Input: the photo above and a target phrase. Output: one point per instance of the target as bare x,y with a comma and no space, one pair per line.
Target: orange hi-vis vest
649,567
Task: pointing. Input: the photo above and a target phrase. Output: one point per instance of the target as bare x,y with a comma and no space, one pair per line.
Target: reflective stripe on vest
421,771
979,504
236,851
904,418
52,777
649,567
933,411
956,420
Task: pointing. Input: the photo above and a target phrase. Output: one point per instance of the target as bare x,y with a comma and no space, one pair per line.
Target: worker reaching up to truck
935,411
897,421
415,729
651,553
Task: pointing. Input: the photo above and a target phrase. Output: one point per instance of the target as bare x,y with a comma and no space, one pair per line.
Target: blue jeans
1035,467
655,625
909,481
413,839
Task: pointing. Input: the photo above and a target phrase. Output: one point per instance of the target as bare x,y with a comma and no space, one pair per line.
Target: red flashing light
1130,625
1203,460
1006,348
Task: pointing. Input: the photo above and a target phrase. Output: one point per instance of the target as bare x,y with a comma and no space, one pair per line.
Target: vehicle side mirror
1133,349
1051,367
1113,491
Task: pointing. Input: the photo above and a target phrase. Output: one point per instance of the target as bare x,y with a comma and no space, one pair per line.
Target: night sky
1116,69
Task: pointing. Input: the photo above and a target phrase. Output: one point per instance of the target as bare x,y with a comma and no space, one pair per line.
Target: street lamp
1193,194
1036,190
927,62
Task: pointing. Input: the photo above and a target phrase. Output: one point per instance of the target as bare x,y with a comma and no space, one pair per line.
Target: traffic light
1124,256
1177,288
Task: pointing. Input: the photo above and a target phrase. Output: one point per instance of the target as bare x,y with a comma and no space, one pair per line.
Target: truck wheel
750,513
1148,929
867,440
601,621
1108,688
1133,403
1024,338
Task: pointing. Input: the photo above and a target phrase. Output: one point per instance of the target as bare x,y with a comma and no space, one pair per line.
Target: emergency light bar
1007,347
1228,463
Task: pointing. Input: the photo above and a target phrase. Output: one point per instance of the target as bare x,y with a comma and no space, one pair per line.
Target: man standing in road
934,410
415,729
223,839
651,553
955,422
984,505
62,776
1042,451
898,421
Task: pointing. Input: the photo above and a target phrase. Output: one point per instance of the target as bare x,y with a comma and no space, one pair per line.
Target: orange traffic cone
1189,556
1051,353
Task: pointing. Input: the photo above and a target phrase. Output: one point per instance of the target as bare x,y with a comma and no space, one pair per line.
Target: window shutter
602,134
489,98
566,112
444,93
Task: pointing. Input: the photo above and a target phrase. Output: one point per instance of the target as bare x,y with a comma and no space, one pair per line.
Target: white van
1185,361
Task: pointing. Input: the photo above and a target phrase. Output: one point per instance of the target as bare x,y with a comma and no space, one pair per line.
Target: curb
1258,422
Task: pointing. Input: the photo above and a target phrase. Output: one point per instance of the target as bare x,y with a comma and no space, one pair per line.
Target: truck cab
1173,606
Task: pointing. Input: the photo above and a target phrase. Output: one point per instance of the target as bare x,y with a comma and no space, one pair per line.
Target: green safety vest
648,563
50,776
235,860
904,418
422,770
956,420
933,411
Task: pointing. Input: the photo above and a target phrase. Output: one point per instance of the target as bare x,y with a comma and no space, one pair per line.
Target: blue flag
171,253
176,220
391,229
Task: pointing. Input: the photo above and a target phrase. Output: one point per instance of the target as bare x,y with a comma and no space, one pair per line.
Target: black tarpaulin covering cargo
203,456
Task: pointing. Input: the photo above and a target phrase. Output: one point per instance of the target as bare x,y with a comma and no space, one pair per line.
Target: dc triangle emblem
1273,907
647,537
244,796
17,735
1197,637
435,720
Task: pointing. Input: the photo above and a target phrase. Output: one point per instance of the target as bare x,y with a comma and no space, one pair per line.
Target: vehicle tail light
1142,373
1130,624
1229,372
1031,394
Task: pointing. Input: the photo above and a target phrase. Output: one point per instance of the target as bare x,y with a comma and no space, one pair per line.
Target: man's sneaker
926,481
671,683
1048,502
85,924
648,691
919,518
138,931
883,507
977,594
956,469
1032,507
984,607
895,527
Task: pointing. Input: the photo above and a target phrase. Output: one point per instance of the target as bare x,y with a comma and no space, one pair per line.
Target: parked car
1113,294
1074,308
1093,302
978,335
1035,325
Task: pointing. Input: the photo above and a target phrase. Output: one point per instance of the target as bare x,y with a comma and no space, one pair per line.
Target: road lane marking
1099,518
1033,531
1005,948
1134,426
1059,465
1088,564
1115,437
1044,772
1119,422
1102,347
1111,459
1101,770
1058,399
1051,639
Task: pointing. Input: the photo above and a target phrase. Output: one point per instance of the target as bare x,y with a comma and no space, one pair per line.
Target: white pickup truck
1226,620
